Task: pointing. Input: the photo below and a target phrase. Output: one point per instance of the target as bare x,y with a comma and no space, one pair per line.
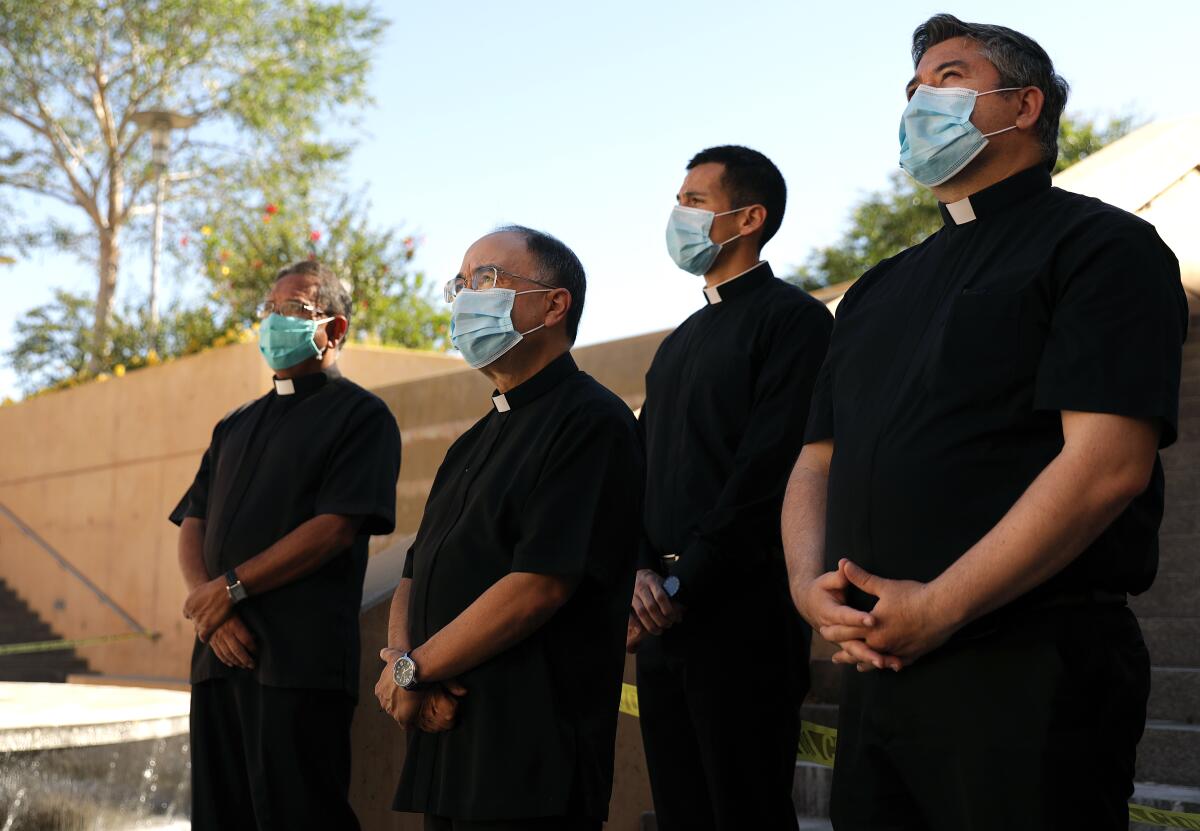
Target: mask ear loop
726,213
989,92
322,322
532,291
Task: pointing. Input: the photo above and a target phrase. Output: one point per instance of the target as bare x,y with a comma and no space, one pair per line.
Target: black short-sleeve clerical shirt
951,362
548,482
318,444
727,396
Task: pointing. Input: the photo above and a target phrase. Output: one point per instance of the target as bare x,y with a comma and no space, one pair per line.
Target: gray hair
1018,58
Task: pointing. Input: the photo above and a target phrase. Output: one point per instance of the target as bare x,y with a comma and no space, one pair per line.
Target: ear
558,303
335,331
752,219
1032,100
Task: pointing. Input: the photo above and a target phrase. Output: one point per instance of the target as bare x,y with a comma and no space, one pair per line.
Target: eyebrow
912,83
693,194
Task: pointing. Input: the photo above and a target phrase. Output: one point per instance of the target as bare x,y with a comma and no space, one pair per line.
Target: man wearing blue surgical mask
273,547
504,654
979,488
726,397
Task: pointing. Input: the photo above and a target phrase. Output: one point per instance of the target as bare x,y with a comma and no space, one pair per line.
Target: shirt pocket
981,345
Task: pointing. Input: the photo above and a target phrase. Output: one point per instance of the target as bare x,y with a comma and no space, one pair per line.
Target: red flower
271,208
183,241
314,235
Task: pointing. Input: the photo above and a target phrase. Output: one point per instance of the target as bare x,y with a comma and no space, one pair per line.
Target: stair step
1175,694
1174,594
1169,753
1164,798
1172,641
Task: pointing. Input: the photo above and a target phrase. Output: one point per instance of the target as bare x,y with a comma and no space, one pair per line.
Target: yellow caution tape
818,742
52,646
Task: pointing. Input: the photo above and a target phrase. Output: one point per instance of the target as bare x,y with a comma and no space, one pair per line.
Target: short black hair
750,178
558,265
1018,58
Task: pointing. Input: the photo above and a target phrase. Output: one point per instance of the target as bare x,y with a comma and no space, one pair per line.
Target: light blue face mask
688,242
937,138
481,326
286,341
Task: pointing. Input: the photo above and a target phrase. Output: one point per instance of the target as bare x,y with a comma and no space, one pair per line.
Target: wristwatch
237,592
404,673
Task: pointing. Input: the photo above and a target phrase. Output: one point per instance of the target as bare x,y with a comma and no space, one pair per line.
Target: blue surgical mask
481,326
286,341
687,238
937,138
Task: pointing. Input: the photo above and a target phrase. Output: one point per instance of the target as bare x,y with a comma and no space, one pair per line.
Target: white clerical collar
961,211
713,293
284,386
500,403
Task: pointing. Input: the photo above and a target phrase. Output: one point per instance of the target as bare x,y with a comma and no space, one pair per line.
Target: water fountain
82,757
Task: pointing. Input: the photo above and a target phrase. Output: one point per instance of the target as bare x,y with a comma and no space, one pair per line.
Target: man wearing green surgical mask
273,547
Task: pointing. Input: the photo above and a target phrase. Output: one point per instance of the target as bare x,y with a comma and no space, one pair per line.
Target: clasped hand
432,710
207,607
905,623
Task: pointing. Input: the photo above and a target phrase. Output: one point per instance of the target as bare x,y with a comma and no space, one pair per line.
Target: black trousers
433,823
719,696
1032,727
267,758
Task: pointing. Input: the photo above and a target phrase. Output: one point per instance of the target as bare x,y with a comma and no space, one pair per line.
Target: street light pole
160,123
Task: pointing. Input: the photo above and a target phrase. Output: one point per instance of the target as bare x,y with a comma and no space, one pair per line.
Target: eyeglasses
288,308
483,278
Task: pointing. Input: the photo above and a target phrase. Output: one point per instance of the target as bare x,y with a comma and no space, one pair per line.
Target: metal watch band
237,592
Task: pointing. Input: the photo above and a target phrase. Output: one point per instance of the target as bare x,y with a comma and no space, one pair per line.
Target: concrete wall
96,469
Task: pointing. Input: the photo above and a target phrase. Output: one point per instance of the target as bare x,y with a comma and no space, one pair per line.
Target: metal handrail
75,572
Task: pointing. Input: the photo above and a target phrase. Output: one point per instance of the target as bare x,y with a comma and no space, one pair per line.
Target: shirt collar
546,379
739,284
996,198
306,383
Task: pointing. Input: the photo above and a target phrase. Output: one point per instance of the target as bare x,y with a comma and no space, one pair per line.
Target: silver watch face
404,672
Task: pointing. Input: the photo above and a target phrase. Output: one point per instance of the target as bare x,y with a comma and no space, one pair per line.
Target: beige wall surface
95,470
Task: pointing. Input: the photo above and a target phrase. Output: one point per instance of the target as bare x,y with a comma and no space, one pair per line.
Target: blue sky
579,119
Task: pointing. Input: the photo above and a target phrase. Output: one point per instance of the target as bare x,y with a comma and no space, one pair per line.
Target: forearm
398,617
803,520
1062,512
503,616
298,554
191,552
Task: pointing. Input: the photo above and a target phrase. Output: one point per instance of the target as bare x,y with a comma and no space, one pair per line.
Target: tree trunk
108,262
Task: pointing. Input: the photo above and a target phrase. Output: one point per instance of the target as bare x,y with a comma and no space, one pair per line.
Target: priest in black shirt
726,399
273,547
506,635
980,482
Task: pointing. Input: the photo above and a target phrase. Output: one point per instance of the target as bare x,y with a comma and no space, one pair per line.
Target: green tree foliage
886,222
51,349
261,75
243,250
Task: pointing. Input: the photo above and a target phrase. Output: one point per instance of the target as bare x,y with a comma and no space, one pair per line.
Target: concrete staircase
1168,765
19,624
